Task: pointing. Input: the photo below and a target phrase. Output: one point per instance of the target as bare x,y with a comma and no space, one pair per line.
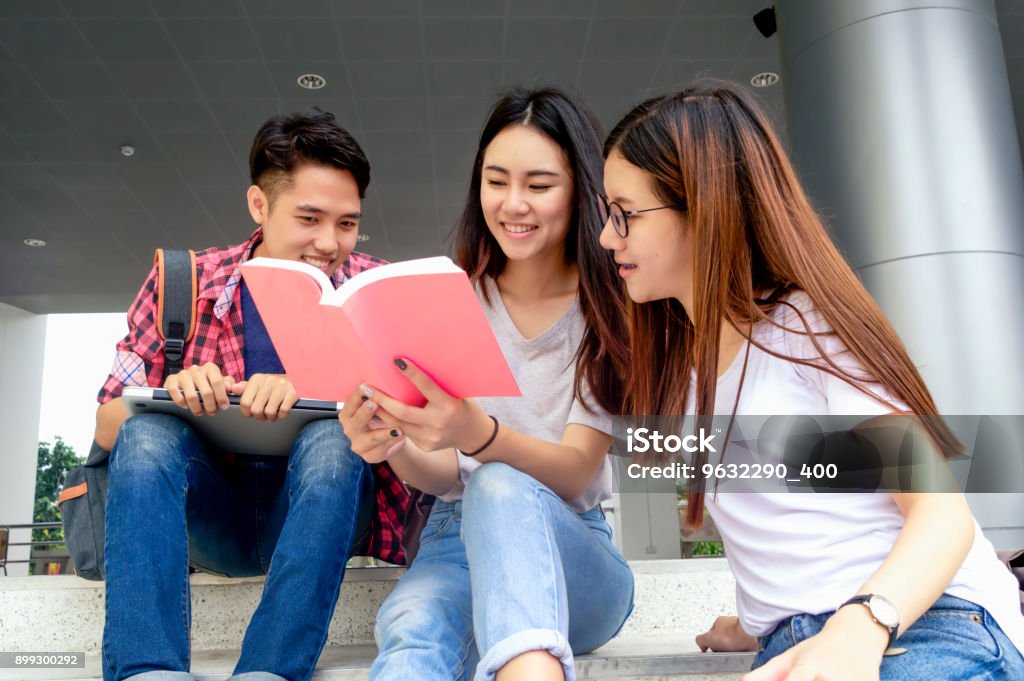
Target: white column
22,344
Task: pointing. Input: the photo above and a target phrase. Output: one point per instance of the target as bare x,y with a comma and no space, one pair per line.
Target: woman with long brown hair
516,566
740,304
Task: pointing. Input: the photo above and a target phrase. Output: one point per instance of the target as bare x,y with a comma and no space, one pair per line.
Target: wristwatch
882,610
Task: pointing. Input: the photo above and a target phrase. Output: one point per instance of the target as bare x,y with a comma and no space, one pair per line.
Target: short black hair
284,142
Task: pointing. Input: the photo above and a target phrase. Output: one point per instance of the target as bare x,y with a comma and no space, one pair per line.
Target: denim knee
322,457
148,442
498,483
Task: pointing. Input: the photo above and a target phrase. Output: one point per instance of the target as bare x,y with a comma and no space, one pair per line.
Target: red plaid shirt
219,339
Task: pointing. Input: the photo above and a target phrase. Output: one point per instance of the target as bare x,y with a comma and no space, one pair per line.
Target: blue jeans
172,501
507,570
955,640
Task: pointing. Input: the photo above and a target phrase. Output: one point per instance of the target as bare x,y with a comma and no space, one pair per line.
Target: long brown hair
603,354
712,149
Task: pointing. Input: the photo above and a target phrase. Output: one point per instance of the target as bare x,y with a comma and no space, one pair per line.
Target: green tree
51,466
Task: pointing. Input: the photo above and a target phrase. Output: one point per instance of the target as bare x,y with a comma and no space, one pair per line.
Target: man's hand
372,444
265,397
726,636
200,389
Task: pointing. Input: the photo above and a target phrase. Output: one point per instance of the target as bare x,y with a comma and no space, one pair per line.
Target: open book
331,340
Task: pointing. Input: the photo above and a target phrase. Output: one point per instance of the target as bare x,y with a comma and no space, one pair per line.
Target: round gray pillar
901,122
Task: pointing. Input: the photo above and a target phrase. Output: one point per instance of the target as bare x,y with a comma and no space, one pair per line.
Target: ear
259,204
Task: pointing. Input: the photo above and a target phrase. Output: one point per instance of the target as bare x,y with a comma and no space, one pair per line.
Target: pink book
331,340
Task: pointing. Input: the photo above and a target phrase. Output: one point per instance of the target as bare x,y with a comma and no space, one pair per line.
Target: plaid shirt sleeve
384,539
139,360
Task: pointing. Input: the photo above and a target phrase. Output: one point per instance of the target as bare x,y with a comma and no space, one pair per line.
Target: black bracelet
489,440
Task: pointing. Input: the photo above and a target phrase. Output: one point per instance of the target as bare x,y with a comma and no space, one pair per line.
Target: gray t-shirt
545,368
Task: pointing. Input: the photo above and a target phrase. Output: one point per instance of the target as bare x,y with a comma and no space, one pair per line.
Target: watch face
884,611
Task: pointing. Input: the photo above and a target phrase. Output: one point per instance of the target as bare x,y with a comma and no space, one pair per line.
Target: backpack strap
177,291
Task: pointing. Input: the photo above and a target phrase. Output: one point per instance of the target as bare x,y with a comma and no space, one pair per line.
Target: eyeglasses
619,216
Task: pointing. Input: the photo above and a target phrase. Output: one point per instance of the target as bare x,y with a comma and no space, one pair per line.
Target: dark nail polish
394,433
400,363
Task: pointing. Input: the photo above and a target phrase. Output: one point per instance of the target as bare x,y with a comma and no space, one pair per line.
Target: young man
173,500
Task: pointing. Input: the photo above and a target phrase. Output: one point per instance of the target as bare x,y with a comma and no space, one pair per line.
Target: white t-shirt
545,369
806,552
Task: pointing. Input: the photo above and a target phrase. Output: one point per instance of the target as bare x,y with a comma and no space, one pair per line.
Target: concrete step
622,659
675,600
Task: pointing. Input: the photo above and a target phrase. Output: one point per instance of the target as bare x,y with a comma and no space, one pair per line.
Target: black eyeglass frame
605,208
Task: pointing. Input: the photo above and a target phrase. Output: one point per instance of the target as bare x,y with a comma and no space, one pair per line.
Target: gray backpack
82,501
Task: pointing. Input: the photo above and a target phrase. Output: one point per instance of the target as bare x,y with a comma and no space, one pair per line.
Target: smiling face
313,219
526,193
656,257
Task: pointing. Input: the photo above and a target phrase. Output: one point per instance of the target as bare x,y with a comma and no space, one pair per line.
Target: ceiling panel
32,40
465,8
32,8
154,79
540,73
56,147
73,79
295,39
16,83
198,9
387,79
458,38
546,38
232,79
389,38
212,39
464,78
126,38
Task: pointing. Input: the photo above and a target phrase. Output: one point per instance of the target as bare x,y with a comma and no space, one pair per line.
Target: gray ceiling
188,82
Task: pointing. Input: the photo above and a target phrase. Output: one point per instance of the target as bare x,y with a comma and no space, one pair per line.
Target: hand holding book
442,422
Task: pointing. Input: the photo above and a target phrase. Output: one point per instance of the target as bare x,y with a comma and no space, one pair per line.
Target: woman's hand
444,421
373,444
726,636
848,648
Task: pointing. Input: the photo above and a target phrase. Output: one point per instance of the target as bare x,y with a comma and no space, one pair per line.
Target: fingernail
369,405
394,433
400,363
366,390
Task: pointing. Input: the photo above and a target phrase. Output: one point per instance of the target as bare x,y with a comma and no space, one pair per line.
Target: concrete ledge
675,600
623,659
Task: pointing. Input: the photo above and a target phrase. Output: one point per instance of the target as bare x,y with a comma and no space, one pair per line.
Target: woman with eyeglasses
516,567
740,304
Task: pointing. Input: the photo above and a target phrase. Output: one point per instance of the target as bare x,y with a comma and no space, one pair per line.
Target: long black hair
603,353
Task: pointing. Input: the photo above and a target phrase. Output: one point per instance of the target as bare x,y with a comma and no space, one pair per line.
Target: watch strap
863,599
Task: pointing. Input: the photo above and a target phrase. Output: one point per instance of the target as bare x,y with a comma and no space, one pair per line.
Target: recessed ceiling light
35,243
363,237
311,81
127,150
766,79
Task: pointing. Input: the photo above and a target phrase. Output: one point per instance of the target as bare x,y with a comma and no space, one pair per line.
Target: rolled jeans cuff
524,642
161,675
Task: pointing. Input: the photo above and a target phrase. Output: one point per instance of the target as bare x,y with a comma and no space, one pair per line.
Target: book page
405,268
323,282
